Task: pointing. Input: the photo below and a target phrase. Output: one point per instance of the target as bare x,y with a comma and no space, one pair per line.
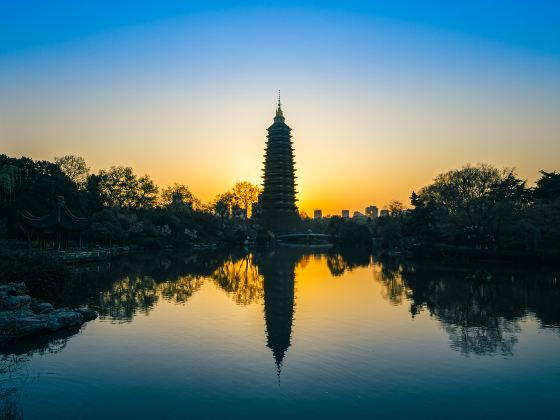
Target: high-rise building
372,211
384,213
346,214
318,214
278,210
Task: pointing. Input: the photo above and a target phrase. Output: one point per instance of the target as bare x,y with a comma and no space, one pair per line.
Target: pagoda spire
279,106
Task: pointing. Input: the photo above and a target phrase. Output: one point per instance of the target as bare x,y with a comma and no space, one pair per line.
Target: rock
13,289
87,314
21,324
63,318
21,316
42,308
10,302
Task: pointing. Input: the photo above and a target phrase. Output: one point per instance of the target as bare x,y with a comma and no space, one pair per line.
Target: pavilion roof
60,217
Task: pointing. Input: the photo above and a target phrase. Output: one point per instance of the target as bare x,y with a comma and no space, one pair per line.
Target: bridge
305,239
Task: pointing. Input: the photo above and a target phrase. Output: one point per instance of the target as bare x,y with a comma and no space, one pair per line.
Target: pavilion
56,229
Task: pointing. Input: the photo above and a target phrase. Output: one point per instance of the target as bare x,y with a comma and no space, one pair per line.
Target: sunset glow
379,101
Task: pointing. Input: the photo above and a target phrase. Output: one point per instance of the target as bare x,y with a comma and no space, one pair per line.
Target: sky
381,95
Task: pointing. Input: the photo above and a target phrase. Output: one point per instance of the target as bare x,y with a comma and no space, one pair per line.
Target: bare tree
74,167
244,195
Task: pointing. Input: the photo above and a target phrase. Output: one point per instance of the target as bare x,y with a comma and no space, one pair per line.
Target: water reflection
12,380
241,279
479,306
278,271
14,361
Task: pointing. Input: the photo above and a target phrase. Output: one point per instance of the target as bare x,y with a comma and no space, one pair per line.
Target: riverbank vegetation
479,211
125,208
474,211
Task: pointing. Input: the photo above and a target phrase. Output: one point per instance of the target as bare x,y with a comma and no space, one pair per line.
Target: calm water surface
288,334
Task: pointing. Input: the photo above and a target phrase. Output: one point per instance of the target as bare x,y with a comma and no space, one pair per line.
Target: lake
292,334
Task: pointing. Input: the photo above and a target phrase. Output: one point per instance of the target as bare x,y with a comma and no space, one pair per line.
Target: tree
348,233
244,195
548,186
120,187
34,185
74,167
105,227
146,193
545,212
420,226
396,208
179,194
476,201
117,186
222,206
9,177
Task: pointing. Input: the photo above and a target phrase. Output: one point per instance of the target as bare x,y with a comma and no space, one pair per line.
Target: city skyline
380,101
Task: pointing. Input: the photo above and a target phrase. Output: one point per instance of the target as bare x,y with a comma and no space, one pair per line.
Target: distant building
346,214
384,213
318,214
359,217
372,211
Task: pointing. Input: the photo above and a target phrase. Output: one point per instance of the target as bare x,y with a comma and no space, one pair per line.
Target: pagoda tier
278,199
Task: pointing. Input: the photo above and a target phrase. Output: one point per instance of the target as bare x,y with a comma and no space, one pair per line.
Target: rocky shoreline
22,316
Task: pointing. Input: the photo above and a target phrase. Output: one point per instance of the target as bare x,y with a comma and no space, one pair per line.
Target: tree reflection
241,279
480,306
138,285
391,277
337,265
495,335
341,261
128,296
248,279
180,290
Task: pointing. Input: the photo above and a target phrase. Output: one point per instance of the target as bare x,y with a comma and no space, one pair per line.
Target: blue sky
381,96
527,24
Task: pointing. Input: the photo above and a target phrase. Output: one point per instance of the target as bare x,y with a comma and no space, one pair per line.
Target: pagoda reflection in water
278,271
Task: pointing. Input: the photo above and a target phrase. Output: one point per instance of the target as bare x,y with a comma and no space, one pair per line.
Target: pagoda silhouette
277,203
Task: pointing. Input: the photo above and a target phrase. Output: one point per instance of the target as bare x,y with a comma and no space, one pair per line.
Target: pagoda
278,210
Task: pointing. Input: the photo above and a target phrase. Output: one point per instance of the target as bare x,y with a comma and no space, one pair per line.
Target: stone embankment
21,316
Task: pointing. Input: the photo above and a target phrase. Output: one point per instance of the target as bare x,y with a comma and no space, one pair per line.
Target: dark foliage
124,208
479,211
349,234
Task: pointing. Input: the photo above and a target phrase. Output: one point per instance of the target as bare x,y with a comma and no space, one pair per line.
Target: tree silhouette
244,195
74,167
